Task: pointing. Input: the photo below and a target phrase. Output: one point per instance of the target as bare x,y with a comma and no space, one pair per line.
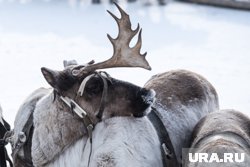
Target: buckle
73,105
166,151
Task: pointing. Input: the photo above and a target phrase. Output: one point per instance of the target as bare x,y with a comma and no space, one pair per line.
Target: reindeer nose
148,96
145,98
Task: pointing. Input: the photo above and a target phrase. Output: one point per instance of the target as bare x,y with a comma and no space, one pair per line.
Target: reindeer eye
94,86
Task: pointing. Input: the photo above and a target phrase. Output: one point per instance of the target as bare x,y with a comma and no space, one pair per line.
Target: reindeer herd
89,119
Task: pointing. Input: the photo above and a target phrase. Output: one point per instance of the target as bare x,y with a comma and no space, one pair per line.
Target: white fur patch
124,141
117,142
73,156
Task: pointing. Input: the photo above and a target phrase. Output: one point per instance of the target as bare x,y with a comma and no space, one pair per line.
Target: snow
213,42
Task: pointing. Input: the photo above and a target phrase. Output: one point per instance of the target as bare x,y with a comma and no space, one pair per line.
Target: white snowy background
214,42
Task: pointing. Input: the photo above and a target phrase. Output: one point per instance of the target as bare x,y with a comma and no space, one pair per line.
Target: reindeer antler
123,55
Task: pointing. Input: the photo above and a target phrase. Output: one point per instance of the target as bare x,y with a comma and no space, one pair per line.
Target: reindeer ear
51,76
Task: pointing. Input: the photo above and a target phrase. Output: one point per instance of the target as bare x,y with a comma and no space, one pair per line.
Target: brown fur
223,121
55,126
180,85
124,99
230,122
182,99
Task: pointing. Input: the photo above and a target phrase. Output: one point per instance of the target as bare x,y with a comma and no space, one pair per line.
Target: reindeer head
93,90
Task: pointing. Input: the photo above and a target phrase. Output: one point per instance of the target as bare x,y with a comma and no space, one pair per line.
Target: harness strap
83,84
2,152
74,106
104,95
4,128
28,129
167,150
81,113
24,140
104,76
7,158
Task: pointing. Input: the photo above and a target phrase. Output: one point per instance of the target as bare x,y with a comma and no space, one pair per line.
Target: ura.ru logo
214,157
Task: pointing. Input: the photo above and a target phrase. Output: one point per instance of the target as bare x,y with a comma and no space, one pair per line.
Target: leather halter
25,137
169,158
80,111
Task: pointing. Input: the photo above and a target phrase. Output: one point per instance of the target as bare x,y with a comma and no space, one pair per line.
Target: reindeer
226,131
4,129
182,99
89,118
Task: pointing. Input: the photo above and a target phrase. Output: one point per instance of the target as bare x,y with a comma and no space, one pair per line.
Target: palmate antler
123,55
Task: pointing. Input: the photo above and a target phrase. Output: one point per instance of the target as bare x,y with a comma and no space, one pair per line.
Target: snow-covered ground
213,42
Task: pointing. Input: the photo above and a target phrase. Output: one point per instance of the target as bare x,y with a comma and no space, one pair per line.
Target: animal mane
60,131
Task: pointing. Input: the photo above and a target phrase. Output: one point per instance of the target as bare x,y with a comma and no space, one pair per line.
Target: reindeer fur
182,99
59,139
226,131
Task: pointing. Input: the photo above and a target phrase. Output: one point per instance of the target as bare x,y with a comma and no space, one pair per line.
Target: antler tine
137,46
124,25
123,55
